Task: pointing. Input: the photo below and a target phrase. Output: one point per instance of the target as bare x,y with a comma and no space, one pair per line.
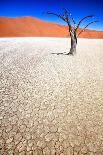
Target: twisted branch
70,16
64,17
86,27
60,16
90,16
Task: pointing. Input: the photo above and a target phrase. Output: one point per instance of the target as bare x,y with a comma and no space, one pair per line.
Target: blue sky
36,8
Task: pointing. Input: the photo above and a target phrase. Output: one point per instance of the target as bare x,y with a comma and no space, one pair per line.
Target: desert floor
51,104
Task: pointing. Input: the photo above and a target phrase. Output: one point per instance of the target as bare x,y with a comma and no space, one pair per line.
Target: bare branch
66,12
70,16
90,16
63,17
73,20
60,16
86,27
67,17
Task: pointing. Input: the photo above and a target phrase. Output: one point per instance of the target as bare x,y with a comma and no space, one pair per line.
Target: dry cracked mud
51,104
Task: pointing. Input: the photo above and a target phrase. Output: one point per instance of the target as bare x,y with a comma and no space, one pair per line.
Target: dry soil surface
51,104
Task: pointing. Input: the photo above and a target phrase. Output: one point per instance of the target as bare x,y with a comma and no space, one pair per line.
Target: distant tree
72,27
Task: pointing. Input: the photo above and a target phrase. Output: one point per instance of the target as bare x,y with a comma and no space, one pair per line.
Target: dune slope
29,26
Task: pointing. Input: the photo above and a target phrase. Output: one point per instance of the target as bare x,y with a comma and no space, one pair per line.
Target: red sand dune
29,27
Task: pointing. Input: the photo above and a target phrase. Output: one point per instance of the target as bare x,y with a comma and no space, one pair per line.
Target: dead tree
72,27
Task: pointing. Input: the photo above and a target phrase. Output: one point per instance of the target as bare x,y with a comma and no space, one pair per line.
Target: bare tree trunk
72,29
73,43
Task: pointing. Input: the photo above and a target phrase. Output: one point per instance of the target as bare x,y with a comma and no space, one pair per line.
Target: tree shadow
62,53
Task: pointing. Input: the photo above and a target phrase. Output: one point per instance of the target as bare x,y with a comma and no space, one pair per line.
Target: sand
34,27
51,104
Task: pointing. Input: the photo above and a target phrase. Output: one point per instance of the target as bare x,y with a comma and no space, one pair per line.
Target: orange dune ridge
33,27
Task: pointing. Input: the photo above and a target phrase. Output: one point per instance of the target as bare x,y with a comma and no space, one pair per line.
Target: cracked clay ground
51,104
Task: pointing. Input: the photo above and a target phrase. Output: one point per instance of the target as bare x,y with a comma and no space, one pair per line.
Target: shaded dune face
33,27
